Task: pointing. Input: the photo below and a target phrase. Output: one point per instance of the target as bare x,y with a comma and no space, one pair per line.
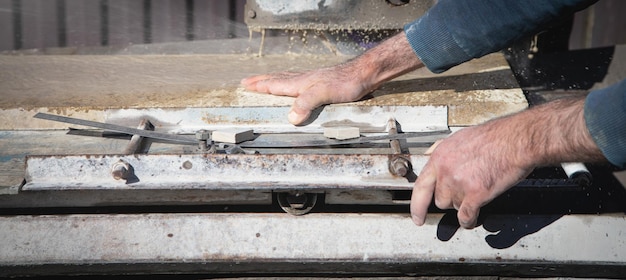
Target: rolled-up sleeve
605,117
455,31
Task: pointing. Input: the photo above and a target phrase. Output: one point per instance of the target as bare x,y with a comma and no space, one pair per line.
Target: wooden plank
211,19
609,23
83,23
202,19
39,24
6,21
599,25
31,28
168,21
125,22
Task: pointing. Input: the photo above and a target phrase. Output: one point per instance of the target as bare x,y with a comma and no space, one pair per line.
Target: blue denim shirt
605,116
455,31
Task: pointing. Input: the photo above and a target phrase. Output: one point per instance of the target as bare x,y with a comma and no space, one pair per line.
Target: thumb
300,111
468,214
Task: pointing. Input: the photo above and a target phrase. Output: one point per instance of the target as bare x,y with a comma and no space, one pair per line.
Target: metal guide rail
214,172
375,169
292,168
298,176
180,164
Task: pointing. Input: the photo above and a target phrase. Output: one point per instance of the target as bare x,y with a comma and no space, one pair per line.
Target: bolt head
203,135
120,170
400,166
251,14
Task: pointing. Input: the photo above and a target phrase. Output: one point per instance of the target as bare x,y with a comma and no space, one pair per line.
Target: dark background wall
28,24
38,24
601,25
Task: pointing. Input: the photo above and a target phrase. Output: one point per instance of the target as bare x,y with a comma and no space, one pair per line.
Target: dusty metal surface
217,172
92,199
16,145
96,87
271,119
202,135
333,15
383,244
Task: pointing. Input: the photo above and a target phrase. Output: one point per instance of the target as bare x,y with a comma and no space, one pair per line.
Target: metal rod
135,141
119,128
395,144
250,144
398,165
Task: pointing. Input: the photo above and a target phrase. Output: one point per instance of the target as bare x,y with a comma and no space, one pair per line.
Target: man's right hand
476,164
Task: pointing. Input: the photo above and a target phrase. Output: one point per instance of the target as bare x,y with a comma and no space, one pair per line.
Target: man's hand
476,164
466,171
342,83
337,84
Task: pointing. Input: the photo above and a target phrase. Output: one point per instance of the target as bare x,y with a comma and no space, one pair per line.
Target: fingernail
417,220
293,117
467,224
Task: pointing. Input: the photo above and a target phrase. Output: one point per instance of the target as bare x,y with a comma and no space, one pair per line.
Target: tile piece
342,132
234,136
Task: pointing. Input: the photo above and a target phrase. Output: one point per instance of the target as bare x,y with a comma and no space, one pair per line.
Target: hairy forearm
550,133
392,58
475,165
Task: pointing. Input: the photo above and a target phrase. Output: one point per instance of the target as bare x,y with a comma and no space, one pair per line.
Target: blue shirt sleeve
455,31
605,117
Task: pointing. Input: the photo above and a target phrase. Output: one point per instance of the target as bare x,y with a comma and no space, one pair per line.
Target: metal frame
281,244
217,172
333,15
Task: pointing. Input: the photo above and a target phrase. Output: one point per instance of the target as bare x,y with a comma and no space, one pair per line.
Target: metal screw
251,14
202,136
120,170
